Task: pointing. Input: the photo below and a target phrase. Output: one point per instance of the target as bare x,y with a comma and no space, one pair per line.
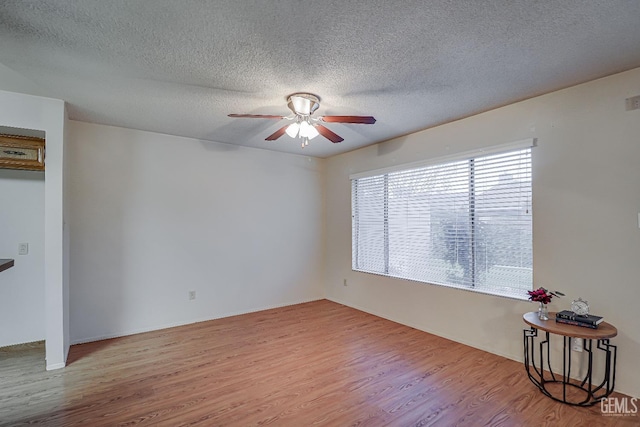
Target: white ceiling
179,67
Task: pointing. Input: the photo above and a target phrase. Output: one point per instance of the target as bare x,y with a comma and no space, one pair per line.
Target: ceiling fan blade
331,136
256,116
277,134
365,120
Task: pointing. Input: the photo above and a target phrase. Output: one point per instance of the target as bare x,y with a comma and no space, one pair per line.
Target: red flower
542,295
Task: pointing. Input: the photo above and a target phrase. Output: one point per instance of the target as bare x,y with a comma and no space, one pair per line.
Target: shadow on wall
98,238
390,146
220,147
11,174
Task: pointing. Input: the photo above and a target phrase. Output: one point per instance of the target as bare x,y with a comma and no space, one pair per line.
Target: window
464,223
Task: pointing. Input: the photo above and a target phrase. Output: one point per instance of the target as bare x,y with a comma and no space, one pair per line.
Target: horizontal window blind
464,223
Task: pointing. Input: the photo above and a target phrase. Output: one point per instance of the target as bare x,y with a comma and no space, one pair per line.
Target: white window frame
516,292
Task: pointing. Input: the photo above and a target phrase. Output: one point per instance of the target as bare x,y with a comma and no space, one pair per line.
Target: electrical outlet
23,249
632,103
192,295
576,344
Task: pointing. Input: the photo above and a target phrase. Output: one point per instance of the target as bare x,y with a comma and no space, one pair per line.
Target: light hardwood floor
318,363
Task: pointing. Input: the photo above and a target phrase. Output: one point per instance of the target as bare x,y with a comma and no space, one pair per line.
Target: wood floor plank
318,363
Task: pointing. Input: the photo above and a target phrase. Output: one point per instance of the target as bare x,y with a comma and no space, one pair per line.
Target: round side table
536,361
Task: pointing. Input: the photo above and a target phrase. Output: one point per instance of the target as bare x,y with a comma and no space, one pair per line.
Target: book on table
573,322
583,319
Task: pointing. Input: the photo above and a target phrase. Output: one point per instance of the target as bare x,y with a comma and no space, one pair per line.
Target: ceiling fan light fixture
293,129
305,126
312,132
307,130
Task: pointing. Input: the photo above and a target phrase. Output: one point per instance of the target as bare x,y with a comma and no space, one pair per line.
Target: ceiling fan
304,124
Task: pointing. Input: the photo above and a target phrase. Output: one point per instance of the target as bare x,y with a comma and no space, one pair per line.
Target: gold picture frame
21,152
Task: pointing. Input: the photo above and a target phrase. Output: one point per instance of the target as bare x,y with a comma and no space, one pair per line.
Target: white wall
22,291
155,216
48,115
586,199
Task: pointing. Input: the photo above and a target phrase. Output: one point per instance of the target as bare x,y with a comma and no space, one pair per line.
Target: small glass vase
543,311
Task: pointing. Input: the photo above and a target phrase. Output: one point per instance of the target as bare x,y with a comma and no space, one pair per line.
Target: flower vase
543,312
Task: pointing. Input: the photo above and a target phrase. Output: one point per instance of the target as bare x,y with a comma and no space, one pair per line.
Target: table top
5,263
605,330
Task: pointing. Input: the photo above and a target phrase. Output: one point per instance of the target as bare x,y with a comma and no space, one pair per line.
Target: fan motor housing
303,104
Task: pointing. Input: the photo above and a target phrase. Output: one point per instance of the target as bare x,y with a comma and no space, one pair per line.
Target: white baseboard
55,366
518,358
174,324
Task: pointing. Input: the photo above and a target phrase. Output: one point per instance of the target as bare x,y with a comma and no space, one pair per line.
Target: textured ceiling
179,67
